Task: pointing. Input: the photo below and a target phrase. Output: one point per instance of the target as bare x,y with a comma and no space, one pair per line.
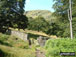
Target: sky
39,5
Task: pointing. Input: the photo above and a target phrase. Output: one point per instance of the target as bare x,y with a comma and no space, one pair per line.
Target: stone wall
19,34
40,39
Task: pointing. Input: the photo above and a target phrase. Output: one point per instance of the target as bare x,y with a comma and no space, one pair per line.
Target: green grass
13,41
6,51
11,46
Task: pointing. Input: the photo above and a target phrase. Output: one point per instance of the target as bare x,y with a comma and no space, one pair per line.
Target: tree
38,24
61,7
11,14
70,18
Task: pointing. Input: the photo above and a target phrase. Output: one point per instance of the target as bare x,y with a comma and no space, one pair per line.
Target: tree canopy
38,24
11,14
61,7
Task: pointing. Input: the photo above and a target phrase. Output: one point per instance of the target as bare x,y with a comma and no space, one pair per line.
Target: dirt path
39,53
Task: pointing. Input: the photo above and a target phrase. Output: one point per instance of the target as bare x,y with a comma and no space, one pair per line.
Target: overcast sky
39,5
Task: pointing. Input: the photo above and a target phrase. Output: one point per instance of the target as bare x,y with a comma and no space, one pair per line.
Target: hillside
12,46
34,13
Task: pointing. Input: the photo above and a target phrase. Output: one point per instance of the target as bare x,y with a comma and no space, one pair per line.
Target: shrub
3,37
55,46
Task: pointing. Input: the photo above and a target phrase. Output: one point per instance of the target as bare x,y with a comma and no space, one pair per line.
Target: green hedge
55,46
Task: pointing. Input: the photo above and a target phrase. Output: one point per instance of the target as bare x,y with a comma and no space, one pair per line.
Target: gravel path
39,53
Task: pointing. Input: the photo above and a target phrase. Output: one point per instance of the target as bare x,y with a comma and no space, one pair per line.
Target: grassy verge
6,51
11,46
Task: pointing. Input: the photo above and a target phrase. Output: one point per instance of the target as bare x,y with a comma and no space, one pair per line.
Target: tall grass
13,41
6,51
11,46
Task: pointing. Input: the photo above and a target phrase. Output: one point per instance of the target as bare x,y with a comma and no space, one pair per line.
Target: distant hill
44,13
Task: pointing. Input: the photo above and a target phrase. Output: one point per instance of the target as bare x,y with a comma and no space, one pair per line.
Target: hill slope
34,13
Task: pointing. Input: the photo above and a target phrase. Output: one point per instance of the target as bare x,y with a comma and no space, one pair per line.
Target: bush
55,46
3,37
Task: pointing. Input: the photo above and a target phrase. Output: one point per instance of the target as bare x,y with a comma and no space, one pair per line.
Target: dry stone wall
19,34
40,39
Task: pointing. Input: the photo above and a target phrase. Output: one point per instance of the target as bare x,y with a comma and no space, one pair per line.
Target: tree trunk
70,18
